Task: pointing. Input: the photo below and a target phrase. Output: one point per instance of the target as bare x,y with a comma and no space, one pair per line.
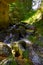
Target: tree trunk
4,12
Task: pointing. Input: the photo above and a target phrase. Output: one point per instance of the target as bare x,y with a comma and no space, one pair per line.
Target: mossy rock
5,51
8,62
22,31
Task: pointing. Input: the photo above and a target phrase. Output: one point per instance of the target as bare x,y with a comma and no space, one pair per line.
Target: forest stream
18,33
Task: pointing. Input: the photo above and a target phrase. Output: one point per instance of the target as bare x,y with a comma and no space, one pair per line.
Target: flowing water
9,38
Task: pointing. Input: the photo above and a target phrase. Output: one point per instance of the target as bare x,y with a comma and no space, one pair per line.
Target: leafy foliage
26,54
19,10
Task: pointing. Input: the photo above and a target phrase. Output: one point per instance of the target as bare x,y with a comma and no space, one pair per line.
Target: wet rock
8,38
38,48
41,39
8,62
18,32
21,24
5,51
2,35
15,35
22,31
35,46
41,50
29,26
41,58
35,58
23,44
31,30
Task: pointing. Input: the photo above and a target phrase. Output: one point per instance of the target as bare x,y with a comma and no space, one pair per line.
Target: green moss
26,54
39,26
